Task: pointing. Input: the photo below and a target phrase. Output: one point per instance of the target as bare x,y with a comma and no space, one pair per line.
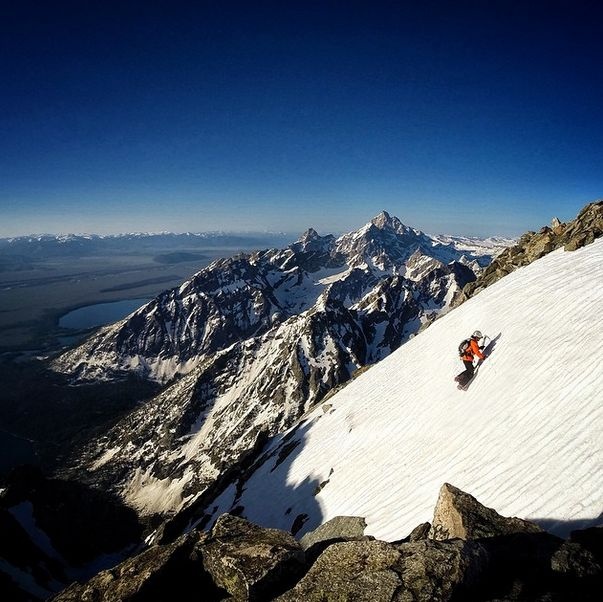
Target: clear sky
461,117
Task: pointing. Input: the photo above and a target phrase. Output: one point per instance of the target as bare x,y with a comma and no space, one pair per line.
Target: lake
99,314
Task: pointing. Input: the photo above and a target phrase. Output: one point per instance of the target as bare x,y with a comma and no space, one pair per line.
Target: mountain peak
309,234
384,221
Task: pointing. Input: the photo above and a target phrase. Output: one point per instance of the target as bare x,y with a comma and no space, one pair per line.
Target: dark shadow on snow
563,528
302,514
489,348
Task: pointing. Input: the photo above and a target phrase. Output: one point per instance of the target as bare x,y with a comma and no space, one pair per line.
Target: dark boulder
154,575
420,532
250,562
434,570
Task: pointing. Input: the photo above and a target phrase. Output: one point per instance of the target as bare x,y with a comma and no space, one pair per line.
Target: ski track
525,438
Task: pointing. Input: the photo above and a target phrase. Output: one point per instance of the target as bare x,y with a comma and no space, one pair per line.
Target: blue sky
458,117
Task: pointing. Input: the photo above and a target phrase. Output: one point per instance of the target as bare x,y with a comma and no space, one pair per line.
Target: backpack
464,346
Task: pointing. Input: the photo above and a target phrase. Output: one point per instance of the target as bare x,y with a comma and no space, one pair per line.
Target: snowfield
524,439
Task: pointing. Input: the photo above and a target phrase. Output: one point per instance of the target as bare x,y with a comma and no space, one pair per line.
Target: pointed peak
310,234
384,221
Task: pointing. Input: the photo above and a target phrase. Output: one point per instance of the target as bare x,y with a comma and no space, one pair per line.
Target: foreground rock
476,555
377,571
249,562
340,528
458,514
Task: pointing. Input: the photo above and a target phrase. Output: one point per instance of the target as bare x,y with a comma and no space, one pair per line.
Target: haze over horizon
464,118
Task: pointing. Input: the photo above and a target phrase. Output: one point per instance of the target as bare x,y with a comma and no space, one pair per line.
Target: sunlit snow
525,438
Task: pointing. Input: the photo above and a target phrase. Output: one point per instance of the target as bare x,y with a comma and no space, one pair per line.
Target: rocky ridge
573,235
494,558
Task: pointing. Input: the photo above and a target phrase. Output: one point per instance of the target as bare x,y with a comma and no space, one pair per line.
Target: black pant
469,369
467,375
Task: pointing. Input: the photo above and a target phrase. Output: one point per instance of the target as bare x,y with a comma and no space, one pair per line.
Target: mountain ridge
250,344
271,282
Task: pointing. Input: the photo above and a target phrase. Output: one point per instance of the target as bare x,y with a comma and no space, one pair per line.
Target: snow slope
525,438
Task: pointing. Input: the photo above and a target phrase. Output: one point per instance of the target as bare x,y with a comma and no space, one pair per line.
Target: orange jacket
471,351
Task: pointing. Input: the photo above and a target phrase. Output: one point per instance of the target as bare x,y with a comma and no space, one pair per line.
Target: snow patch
106,457
150,495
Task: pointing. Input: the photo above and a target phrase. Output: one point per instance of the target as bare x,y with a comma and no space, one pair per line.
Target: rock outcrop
249,562
587,227
497,558
337,529
459,515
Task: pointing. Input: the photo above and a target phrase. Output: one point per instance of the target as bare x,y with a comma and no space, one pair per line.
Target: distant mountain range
39,246
43,246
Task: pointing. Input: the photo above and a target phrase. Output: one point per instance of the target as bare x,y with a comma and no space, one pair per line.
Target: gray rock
420,532
458,514
250,562
573,560
338,528
360,571
434,571
377,571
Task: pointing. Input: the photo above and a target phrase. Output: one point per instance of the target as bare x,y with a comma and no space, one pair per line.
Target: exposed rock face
458,514
240,561
433,570
363,571
381,572
249,562
336,529
420,532
587,226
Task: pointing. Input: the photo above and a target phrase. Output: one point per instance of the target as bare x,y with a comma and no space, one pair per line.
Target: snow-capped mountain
490,245
234,299
526,436
257,340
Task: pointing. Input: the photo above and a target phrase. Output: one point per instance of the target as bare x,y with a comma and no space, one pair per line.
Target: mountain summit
385,221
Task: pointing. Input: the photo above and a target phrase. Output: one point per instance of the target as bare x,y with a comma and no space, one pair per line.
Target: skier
472,350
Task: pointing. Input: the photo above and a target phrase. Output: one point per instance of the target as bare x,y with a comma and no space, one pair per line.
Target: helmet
476,335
